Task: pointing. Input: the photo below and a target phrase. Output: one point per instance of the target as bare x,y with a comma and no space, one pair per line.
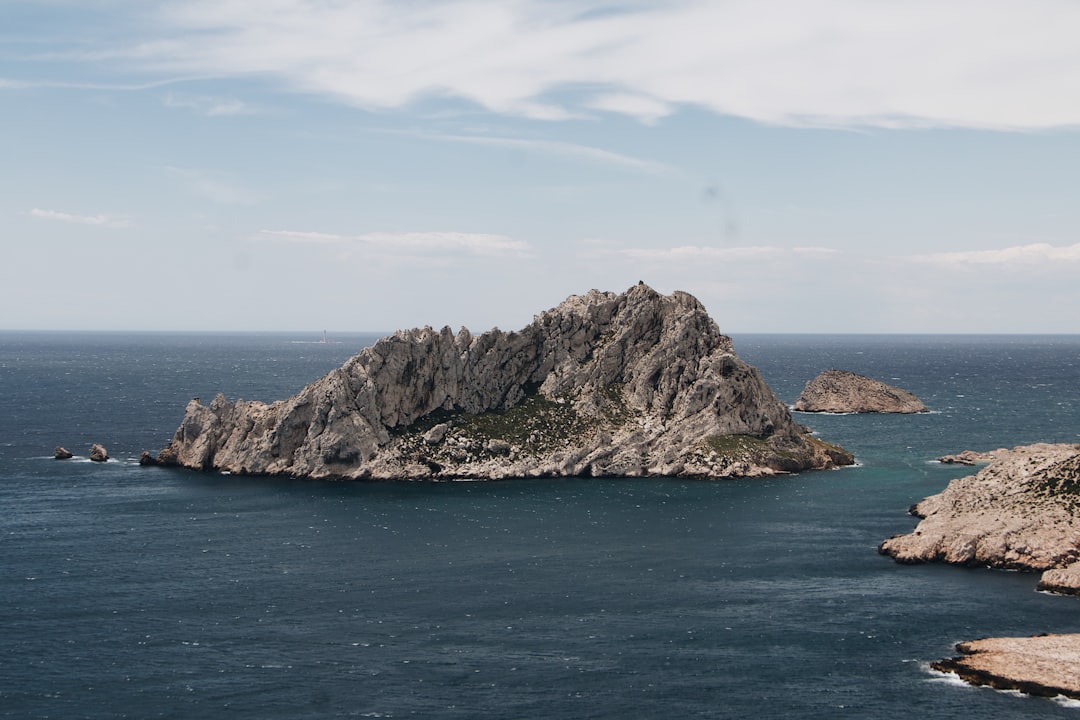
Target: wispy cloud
111,221
208,105
9,84
1033,254
552,147
842,63
703,253
216,187
410,243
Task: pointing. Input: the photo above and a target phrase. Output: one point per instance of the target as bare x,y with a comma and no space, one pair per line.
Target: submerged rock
840,391
62,453
98,453
637,384
1019,512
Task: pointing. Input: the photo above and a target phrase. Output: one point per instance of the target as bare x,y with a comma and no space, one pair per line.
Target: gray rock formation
637,384
1019,512
840,391
98,453
62,453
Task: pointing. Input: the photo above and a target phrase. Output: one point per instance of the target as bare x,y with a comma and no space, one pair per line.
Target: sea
149,592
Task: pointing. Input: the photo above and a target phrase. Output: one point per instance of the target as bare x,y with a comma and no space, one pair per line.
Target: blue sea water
159,593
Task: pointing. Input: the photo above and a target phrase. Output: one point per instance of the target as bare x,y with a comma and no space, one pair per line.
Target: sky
819,166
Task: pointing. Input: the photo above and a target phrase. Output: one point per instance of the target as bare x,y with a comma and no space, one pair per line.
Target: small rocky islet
841,391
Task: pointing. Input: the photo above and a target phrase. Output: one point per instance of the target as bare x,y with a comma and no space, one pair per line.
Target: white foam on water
944,678
954,680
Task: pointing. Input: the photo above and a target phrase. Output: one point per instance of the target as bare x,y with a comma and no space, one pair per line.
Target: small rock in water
98,453
62,453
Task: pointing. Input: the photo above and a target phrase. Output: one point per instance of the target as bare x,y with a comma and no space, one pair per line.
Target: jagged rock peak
632,384
840,391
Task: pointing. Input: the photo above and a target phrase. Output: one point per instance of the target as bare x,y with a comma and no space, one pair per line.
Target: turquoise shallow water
148,592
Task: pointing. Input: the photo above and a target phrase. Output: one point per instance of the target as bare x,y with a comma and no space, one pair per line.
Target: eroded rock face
98,453
840,391
1019,512
62,453
619,385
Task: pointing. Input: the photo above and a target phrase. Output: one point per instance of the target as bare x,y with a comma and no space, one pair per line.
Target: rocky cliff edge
637,384
1022,511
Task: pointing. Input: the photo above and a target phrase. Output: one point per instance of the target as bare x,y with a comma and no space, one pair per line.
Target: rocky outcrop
970,457
637,384
1043,665
62,453
1064,581
98,453
840,391
1018,512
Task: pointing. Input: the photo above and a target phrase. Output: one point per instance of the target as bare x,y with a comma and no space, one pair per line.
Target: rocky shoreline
637,384
1019,512
1042,665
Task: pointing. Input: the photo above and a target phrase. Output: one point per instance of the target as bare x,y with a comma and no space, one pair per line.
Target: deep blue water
151,592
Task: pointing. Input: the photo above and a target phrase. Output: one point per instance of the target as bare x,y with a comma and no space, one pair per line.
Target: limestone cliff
1019,512
840,391
637,384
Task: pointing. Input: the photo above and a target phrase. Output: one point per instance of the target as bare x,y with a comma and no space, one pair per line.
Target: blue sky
821,166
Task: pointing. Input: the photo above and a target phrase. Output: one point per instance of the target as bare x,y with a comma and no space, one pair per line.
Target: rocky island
635,384
840,391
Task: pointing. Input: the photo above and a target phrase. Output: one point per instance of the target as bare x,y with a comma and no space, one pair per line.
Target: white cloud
111,221
647,109
411,243
1035,253
850,63
699,253
208,105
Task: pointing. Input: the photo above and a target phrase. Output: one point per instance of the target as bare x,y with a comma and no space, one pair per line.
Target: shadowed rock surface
840,391
1022,512
1043,665
637,384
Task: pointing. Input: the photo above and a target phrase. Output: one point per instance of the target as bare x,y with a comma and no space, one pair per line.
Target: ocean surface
160,593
